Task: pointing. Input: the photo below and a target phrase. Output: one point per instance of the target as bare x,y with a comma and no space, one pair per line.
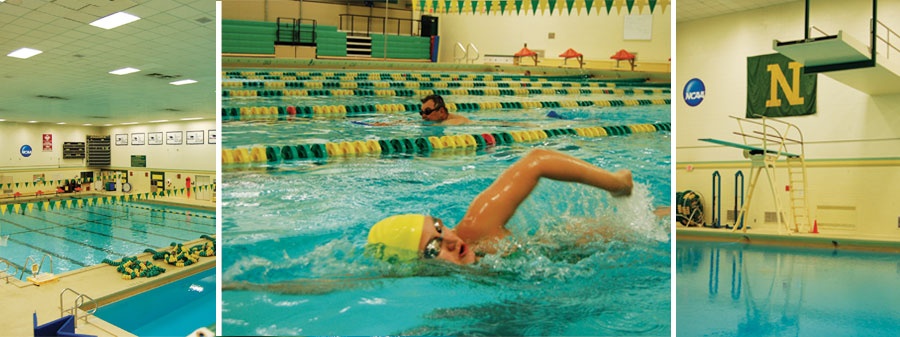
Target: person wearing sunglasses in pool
434,110
408,237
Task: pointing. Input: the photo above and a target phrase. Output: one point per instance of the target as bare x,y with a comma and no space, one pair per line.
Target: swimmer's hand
626,184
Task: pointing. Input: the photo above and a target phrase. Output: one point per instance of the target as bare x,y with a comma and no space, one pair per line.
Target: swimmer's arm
489,212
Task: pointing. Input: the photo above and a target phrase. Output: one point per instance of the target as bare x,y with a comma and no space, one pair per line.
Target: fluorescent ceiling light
129,123
61,123
124,71
87,124
24,53
32,121
183,82
1,119
115,20
159,121
107,124
191,118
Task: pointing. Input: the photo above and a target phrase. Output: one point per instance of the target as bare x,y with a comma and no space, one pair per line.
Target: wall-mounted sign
25,150
48,142
138,161
694,91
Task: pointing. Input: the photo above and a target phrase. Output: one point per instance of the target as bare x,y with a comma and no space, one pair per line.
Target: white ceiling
70,81
687,10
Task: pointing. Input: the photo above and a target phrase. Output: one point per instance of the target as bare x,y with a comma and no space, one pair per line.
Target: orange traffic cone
815,229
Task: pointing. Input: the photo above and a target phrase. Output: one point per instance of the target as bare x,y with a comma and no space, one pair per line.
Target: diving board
747,147
776,138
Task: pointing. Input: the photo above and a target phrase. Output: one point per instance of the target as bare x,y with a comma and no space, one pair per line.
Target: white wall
176,157
185,160
853,141
14,135
597,37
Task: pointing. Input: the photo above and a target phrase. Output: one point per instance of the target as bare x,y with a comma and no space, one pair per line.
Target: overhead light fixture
107,124
32,122
61,123
1,119
191,118
115,20
159,121
124,71
24,53
89,124
129,123
183,82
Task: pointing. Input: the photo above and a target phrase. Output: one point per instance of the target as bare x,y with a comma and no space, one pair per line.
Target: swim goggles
433,247
428,111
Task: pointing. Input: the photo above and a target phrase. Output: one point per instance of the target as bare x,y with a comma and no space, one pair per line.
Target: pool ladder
5,271
40,266
78,303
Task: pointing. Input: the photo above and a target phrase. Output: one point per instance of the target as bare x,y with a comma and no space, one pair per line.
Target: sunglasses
428,111
433,247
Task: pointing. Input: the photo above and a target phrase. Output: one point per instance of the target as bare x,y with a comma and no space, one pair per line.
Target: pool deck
101,282
883,243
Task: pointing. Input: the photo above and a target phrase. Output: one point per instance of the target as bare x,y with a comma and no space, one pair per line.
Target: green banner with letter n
777,87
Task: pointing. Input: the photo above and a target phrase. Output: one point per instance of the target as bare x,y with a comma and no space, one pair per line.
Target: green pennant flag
652,5
630,4
447,6
534,6
460,4
503,7
487,6
474,6
569,5
609,4
26,184
17,185
552,5
422,5
518,6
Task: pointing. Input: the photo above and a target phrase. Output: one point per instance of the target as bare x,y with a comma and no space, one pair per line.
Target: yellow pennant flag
30,207
17,208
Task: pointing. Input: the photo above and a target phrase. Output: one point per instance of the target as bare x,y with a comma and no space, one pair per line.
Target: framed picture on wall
173,137
137,138
122,139
155,138
212,137
194,137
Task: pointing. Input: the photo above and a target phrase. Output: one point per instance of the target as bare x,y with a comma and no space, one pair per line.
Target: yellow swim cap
396,238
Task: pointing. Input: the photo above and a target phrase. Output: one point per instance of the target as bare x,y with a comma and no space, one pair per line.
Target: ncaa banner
777,87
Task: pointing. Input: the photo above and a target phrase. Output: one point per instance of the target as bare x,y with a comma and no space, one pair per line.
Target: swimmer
408,237
434,110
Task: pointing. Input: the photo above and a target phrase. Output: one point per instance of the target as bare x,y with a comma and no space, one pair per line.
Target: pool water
174,309
736,289
80,237
294,231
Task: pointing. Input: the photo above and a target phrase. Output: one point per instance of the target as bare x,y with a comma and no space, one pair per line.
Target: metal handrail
40,266
887,40
471,46
459,46
385,20
79,302
818,30
6,269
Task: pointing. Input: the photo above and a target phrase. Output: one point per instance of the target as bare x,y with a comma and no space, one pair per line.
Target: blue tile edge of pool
805,240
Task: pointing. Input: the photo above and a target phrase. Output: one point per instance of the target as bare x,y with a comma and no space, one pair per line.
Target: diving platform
848,61
769,142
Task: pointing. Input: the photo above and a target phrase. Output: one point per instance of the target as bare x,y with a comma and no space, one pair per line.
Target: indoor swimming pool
294,229
738,289
76,237
173,309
